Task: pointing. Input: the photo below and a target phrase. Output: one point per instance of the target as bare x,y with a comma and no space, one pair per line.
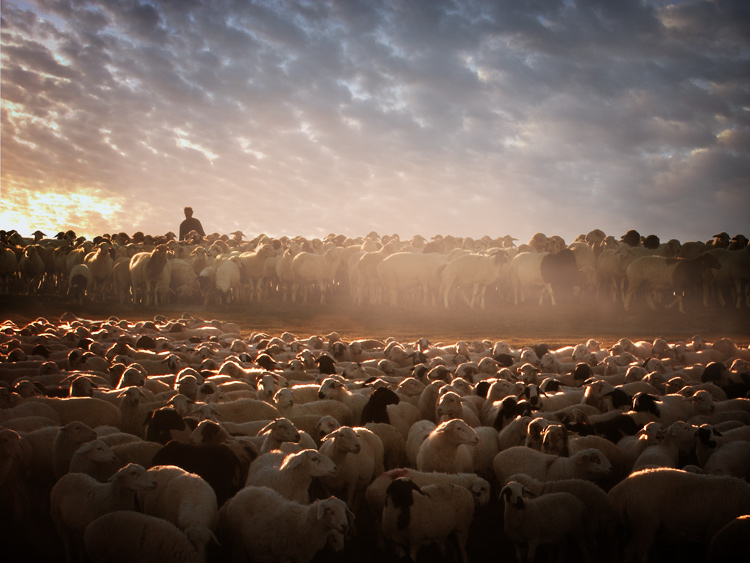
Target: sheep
678,438
275,433
245,410
284,401
335,390
145,270
79,283
406,271
359,457
732,458
729,541
68,439
548,519
376,491
414,516
123,536
290,474
100,264
450,405
475,271
589,464
318,269
735,265
660,274
253,268
89,410
185,500
94,458
686,505
446,448
256,517
78,499
218,464
514,433
228,282
525,271
599,518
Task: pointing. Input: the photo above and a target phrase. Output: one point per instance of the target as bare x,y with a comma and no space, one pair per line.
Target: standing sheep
447,448
552,518
414,516
261,524
588,464
185,500
124,536
691,506
77,499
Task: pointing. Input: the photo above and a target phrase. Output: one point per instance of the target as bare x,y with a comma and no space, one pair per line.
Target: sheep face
334,514
512,494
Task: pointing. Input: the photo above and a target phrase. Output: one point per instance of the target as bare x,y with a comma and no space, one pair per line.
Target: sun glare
87,211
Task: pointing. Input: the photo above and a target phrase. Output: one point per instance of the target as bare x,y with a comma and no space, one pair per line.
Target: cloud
465,118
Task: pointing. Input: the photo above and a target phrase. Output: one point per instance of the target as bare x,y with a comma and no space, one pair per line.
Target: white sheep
93,458
89,410
315,269
228,282
253,268
405,271
376,491
78,499
475,271
359,457
333,389
687,505
286,405
414,516
678,438
67,440
259,523
447,448
525,272
552,518
732,458
290,474
123,536
184,499
589,464
599,518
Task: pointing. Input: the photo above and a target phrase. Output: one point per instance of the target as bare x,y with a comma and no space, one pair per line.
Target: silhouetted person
190,224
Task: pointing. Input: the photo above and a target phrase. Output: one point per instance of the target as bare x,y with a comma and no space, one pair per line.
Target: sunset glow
441,117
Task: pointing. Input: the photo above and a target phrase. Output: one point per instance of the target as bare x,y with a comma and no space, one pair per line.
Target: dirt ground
528,324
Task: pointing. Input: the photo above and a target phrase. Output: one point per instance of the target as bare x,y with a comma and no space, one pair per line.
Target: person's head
188,212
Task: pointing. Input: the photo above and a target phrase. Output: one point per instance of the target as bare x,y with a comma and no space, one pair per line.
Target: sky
429,117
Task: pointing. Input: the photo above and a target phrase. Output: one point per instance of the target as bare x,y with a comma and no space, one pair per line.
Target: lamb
414,516
589,464
185,500
446,448
359,457
687,505
290,474
256,517
548,519
123,536
78,499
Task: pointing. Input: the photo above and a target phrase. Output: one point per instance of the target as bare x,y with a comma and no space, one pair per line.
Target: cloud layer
295,117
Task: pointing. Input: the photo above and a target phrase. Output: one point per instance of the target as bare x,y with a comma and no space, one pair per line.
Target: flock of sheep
444,271
183,440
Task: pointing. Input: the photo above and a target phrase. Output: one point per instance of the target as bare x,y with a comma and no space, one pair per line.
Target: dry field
567,323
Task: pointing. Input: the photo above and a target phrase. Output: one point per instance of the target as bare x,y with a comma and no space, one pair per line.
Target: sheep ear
321,509
266,428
